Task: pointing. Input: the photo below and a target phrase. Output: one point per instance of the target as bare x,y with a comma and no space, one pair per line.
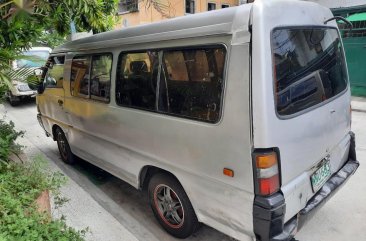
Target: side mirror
41,88
37,86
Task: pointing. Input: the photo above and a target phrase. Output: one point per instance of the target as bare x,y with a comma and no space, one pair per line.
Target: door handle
60,102
332,111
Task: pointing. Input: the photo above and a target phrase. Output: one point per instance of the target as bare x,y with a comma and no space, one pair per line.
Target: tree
23,22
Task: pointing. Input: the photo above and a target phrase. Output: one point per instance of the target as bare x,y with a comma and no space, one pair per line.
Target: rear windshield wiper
350,25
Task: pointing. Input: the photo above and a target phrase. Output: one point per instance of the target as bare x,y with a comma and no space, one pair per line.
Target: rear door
301,94
310,78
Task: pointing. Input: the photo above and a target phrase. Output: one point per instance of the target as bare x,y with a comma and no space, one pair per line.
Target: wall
170,9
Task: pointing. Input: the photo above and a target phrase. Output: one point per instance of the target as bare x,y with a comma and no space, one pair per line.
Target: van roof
225,21
231,21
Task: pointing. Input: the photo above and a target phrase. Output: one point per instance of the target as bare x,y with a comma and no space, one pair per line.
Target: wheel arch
148,171
54,128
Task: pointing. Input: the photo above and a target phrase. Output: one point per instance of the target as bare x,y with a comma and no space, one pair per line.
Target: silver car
20,90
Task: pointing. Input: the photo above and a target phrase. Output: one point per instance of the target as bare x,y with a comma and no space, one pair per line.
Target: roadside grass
20,185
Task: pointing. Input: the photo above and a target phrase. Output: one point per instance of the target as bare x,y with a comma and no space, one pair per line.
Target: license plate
320,176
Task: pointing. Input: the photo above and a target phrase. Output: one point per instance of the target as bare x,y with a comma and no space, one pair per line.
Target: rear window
309,67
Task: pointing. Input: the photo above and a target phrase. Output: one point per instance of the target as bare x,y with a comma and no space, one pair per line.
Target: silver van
238,118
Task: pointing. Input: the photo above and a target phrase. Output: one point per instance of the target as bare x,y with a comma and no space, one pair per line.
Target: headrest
138,66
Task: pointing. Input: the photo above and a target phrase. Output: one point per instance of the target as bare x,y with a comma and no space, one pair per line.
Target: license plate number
320,176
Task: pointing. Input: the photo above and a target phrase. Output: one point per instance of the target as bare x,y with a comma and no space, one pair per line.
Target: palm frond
20,74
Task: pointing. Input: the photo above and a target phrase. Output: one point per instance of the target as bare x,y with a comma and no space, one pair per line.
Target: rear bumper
23,94
269,212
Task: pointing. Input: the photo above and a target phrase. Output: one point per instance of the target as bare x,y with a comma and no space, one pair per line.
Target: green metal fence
355,47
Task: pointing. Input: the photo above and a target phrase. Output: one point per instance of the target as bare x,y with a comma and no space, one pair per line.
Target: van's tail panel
310,96
301,96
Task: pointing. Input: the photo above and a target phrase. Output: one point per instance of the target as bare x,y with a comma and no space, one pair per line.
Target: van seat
196,99
138,86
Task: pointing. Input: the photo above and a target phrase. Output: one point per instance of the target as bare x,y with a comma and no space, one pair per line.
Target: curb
358,104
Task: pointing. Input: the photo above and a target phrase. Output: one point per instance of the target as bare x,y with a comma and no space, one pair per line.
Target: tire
171,206
12,100
64,147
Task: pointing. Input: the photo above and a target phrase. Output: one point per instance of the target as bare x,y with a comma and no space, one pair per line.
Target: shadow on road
96,175
23,103
131,201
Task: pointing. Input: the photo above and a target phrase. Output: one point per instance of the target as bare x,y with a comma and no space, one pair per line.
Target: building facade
136,12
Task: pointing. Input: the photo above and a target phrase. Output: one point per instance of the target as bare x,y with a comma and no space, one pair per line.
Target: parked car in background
20,90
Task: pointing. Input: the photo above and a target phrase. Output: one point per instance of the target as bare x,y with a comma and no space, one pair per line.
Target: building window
225,6
127,6
190,6
211,6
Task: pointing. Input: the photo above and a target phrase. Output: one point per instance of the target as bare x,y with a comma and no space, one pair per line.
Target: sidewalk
358,104
81,211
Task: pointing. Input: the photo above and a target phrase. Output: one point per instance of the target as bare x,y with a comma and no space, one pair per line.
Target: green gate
355,47
356,60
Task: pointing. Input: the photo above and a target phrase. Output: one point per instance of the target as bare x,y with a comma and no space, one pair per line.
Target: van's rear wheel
64,147
171,206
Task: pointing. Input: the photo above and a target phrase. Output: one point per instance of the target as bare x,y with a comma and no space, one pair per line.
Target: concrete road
342,218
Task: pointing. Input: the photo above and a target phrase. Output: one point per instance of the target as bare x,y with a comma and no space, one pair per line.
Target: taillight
267,175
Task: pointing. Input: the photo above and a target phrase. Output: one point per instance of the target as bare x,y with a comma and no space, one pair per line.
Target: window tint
80,76
136,80
309,67
100,80
191,83
55,72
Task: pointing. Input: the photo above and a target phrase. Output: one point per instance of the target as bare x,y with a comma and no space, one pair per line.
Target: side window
55,72
100,80
80,76
192,82
136,80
